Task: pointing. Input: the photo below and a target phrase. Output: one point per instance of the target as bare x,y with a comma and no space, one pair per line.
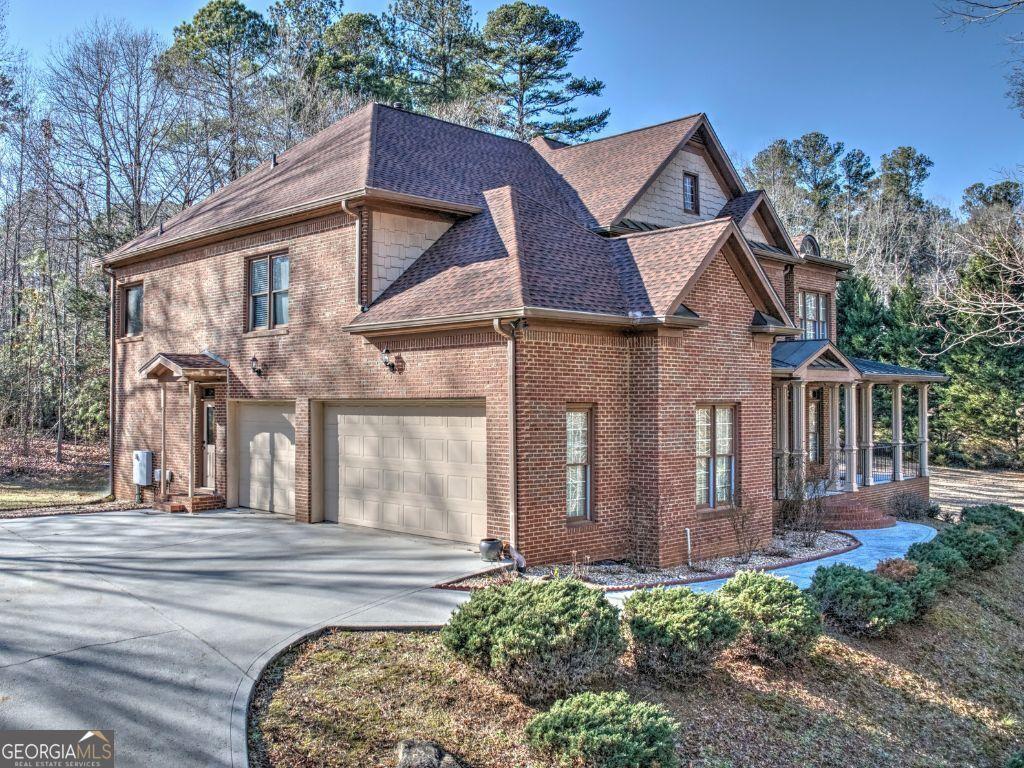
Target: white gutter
513,510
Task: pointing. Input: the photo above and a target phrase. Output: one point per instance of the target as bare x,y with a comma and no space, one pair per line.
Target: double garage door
415,469
418,469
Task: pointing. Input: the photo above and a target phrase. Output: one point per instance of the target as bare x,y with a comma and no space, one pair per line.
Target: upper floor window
268,292
577,462
132,320
716,455
691,193
812,314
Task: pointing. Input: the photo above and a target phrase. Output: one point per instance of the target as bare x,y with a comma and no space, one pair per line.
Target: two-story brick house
406,324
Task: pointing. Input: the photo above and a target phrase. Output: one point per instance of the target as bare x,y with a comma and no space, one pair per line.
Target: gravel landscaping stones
619,575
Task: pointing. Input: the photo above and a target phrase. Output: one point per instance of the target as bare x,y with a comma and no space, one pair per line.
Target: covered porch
204,378
825,409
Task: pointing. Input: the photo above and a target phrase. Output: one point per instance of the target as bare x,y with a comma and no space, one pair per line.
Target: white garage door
266,458
415,469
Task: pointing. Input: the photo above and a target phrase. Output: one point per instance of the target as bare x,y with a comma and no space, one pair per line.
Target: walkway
875,546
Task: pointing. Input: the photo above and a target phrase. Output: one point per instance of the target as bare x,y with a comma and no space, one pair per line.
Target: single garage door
414,469
266,460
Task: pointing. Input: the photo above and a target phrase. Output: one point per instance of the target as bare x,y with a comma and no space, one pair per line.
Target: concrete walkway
155,625
876,545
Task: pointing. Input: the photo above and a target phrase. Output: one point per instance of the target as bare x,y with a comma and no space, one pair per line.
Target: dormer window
691,193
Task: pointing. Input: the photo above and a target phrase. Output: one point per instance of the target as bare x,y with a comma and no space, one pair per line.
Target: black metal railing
838,473
780,476
882,463
911,460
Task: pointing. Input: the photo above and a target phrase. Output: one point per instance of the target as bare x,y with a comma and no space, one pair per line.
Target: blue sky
874,74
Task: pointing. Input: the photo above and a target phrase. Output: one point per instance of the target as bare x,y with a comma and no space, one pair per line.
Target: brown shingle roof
518,253
608,174
332,162
739,207
658,265
376,147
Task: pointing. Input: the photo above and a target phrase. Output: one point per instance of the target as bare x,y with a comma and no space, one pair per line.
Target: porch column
191,439
867,440
897,431
163,440
833,418
800,426
782,441
922,429
851,436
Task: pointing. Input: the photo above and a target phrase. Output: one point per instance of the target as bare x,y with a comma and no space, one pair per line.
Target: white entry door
412,468
266,459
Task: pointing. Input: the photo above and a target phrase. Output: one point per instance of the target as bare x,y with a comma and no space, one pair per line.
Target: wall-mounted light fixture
254,364
385,358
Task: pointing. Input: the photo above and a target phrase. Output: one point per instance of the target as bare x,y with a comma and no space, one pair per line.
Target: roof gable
660,268
609,175
756,205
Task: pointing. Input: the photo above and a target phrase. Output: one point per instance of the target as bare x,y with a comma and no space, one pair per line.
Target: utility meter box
142,467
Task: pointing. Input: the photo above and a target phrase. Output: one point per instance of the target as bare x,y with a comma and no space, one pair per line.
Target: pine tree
437,45
862,318
817,170
217,59
528,52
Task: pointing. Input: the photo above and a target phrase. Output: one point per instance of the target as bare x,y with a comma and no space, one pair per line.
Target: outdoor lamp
385,358
254,364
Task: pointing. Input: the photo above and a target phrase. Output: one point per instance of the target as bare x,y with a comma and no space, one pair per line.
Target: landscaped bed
941,689
786,549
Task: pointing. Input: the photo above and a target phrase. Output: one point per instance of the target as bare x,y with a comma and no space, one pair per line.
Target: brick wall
194,301
644,389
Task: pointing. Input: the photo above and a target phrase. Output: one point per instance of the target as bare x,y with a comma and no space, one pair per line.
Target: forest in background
120,128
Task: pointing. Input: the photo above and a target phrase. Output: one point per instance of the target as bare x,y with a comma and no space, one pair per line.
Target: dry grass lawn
29,492
948,691
953,488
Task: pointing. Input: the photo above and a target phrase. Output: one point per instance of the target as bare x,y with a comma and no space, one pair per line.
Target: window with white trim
268,292
812,314
716,455
577,462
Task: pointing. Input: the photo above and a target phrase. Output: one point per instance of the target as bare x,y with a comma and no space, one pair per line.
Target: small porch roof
178,366
821,360
817,359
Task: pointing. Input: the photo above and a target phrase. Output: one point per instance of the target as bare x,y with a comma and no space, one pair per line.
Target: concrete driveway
154,625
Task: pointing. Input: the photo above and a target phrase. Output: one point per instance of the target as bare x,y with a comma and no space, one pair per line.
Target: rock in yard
413,753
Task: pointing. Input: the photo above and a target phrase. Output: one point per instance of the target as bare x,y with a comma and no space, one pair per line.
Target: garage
418,469
266,457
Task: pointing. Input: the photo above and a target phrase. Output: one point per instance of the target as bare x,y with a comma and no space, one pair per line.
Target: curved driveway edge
155,625
247,685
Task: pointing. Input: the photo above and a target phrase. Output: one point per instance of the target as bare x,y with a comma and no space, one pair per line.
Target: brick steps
182,503
856,515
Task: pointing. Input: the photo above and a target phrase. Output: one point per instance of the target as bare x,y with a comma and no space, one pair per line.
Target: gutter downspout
359,250
111,378
510,346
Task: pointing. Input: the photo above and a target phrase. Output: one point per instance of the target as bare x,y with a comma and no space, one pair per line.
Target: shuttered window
269,278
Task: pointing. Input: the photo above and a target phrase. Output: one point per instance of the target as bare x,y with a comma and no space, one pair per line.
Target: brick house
592,350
